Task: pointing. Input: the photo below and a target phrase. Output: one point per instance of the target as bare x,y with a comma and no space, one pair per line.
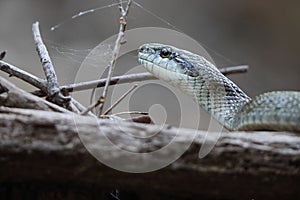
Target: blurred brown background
261,34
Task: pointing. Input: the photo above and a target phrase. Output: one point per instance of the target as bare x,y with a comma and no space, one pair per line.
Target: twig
234,69
54,93
2,55
114,80
101,82
80,107
25,76
130,113
13,96
116,50
124,12
112,64
115,194
72,107
127,8
56,107
33,80
119,100
91,107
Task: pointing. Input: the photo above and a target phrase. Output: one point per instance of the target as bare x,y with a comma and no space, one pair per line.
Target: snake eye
165,52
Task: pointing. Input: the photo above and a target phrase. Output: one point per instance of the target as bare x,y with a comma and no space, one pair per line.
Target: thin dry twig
124,12
130,113
2,55
80,107
120,99
12,96
23,75
33,80
54,93
114,80
91,107
234,69
101,82
116,51
122,28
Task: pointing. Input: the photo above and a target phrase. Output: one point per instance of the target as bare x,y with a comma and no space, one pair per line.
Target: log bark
43,149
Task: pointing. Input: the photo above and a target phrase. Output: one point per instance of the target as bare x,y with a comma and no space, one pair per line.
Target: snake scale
218,95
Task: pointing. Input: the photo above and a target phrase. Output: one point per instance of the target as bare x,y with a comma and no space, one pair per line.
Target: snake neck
213,91
220,97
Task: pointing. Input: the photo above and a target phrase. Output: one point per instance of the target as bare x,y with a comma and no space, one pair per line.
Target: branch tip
2,54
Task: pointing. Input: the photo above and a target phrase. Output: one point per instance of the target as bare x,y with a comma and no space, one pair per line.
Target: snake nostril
142,49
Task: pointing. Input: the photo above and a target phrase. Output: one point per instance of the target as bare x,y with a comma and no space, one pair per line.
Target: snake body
218,95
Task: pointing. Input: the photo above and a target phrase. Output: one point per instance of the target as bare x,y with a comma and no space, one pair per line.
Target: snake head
165,60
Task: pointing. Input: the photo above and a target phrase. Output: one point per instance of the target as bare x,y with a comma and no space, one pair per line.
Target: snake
217,94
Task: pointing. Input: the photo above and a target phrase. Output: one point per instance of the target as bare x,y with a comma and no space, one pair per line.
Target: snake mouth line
150,65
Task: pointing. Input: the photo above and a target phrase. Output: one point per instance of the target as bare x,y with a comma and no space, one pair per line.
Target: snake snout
146,48
141,48
166,57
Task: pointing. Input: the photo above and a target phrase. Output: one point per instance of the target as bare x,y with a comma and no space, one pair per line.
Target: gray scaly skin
218,95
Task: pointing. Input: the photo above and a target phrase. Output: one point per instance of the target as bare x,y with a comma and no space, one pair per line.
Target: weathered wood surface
44,147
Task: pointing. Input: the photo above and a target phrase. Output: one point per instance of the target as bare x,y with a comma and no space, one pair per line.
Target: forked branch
100,102
54,93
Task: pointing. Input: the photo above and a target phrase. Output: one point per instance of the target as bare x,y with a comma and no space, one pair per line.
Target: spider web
66,55
76,56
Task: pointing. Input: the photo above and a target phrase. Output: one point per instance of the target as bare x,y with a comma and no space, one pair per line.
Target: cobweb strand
82,13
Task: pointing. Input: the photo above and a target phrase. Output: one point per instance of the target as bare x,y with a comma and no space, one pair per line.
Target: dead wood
44,146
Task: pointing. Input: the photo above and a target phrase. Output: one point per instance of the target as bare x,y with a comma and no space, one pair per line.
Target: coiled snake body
218,95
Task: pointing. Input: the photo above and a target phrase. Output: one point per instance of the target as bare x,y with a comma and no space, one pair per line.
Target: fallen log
44,147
